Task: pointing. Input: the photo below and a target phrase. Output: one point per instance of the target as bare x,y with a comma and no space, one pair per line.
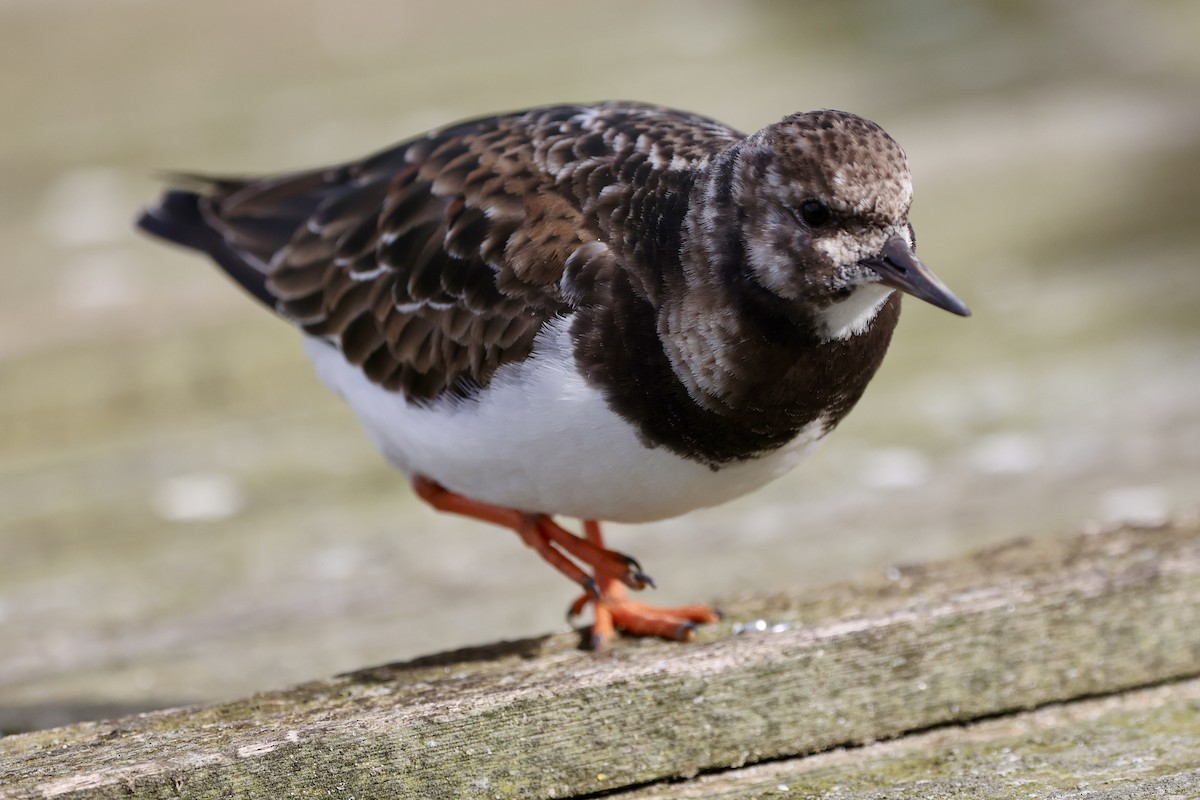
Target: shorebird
612,312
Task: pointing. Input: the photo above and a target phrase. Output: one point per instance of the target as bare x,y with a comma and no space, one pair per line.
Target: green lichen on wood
1140,744
1013,628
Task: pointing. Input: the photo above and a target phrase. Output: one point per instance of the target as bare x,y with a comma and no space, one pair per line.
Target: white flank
855,314
540,438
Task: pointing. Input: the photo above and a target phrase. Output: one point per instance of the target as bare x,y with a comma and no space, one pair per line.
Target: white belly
540,438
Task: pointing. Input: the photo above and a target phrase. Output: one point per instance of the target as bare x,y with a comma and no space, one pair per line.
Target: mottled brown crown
849,160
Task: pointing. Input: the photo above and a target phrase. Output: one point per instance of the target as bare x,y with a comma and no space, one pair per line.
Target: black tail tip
176,218
179,218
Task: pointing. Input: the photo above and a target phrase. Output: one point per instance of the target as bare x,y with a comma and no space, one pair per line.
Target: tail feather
242,223
179,218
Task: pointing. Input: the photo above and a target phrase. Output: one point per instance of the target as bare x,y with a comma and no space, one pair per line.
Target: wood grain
1016,627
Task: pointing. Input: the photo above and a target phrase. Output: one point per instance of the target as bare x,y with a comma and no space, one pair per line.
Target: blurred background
186,514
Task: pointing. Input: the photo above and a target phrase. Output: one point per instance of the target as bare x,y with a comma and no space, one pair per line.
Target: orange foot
616,610
613,571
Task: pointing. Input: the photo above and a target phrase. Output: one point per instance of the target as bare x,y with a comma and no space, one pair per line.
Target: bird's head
826,196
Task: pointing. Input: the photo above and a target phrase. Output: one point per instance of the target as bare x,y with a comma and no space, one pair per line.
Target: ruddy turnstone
611,312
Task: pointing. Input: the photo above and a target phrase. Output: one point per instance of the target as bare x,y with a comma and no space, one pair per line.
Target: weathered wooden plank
1009,628
1143,743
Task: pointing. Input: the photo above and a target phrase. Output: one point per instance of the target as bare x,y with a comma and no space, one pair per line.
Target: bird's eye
815,213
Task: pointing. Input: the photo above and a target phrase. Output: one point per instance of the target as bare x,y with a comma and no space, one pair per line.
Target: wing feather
435,262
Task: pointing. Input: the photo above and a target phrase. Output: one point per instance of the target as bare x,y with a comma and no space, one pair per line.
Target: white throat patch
855,314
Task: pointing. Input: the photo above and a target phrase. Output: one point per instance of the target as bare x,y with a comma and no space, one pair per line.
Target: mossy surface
1144,743
986,636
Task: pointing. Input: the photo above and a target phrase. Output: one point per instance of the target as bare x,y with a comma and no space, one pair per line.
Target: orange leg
542,534
615,610
613,571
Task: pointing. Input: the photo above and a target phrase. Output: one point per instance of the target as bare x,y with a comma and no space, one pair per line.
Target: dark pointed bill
899,268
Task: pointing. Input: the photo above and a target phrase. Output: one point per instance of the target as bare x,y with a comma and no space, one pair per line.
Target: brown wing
429,265
433,263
